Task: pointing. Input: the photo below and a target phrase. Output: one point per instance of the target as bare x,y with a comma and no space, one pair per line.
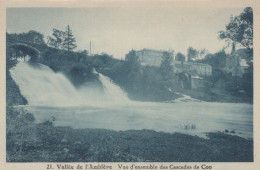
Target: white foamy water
52,95
112,91
43,87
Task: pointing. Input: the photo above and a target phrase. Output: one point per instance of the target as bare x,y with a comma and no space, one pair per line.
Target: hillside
141,83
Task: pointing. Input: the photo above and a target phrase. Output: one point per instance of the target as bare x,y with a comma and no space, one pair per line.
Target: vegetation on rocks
27,141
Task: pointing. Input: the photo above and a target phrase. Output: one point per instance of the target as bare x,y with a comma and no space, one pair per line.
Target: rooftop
147,49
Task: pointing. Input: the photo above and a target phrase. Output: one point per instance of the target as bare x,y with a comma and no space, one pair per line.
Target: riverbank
100,145
216,95
30,142
139,82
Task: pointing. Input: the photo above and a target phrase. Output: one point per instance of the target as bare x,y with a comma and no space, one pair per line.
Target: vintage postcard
129,85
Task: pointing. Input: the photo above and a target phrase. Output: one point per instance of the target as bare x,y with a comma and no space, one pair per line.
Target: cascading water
111,109
112,91
42,86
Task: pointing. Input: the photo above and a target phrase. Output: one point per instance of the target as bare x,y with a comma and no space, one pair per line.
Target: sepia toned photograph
129,84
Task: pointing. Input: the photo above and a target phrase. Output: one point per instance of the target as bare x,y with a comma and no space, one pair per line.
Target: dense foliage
69,42
27,141
242,87
180,57
62,39
31,37
240,29
56,39
217,60
142,82
192,54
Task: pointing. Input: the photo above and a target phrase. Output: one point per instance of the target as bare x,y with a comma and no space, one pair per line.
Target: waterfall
42,86
112,91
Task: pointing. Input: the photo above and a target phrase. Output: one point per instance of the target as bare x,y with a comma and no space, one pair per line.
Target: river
194,118
51,95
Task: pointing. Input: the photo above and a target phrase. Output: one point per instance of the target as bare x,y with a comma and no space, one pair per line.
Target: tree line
136,79
62,39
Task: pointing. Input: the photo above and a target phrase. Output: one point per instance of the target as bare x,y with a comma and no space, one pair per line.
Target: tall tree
180,57
192,54
132,60
166,66
57,38
34,37
69,42
240,30
217,60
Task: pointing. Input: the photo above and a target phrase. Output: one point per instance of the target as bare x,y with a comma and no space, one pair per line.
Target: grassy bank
30,142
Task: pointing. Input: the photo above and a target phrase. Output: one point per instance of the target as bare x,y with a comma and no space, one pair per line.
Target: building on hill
192,68
149,57
243,65
190,74
196,71
235,63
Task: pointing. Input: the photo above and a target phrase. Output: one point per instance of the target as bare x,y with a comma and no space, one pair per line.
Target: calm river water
194,118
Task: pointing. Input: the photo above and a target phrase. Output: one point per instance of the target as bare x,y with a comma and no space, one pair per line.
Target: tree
166,66
180,57
34,37
31,37
192,54
57,38
131,57
69,42
240,30
85,52
217,60
203,52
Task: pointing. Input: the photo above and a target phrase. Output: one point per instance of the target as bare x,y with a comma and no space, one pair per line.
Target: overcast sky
117,30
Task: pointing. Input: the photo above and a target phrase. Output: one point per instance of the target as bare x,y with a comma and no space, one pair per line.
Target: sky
116,31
